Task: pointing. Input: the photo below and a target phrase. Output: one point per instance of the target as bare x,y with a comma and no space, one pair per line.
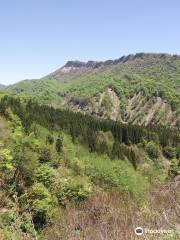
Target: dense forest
67,175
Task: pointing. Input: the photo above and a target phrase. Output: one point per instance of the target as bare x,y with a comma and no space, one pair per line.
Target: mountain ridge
92,64
141,89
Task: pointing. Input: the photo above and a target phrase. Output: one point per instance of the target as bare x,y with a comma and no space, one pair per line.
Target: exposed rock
138,110
72,66
106,105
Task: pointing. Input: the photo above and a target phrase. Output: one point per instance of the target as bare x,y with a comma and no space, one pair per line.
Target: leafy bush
77,189
50,139
169,152
26,225
77,166
45,174
26,164
42,204
45,155
8,219
59,144
155,172
6,158
152,149
174,169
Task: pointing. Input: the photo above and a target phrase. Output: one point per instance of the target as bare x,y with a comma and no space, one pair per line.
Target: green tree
59,144
45,155
42,204
50,139
152,149
77,189
45,174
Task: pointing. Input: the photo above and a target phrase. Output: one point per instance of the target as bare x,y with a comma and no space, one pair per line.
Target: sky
39,36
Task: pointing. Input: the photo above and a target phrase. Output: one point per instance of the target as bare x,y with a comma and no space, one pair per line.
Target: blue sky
39,36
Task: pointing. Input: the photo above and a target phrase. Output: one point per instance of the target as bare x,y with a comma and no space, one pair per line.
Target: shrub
26,225
174,169
6,163
169,152
41,204
45,155
45,174
8,219
26,163
50,139
59,144
76,165
76,190
152,149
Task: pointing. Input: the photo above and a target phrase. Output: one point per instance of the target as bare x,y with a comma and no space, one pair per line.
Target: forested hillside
139,89
67,175
92,150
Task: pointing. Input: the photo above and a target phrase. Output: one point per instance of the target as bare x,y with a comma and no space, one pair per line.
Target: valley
91,151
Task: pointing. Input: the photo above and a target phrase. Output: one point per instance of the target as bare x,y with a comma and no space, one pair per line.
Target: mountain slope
2,86
66,175
141,88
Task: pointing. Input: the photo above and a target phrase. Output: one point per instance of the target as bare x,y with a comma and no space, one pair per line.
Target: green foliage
76,189
76,165
85,128
8,218
45,155
21,140
122,151
50,139
26,226
47,168
42,204
103,142
6,159
107,103
174,169
118,175
26,164
169,152
152,74
45,174
59,144
152,149
154,171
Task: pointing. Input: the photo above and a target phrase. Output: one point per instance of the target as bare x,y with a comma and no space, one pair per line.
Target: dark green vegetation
139,89
66,175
